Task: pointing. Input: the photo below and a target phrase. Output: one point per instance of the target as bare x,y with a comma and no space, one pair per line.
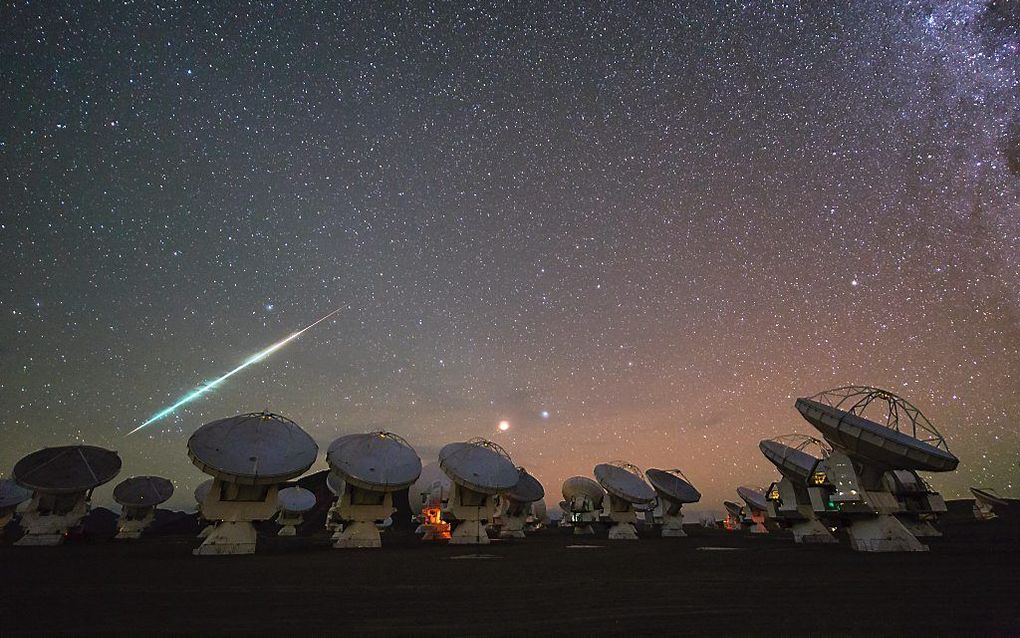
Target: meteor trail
212,384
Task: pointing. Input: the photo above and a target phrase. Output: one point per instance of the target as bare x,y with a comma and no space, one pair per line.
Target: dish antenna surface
138,498
796,456
791,501
874,432
479,469
11,496
515,505
734,516
248,456
674,492
583,501
988,503
373,466
757,507
878,427
626,487
294,502
62,480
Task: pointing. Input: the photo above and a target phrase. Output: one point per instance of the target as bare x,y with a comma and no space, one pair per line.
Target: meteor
194,394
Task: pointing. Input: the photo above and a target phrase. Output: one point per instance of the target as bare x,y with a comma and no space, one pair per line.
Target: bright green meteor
191,396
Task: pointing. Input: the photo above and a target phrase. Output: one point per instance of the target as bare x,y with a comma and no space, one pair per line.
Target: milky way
633,231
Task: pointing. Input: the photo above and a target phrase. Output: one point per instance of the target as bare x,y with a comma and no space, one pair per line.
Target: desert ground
710,582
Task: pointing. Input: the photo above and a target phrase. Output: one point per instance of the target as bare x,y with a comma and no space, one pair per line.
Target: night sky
635,231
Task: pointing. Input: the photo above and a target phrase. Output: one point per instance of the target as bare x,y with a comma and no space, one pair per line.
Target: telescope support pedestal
621,513
583,529
811,531
919,527
228,538
673,525
513,526
469,533
361,530
131,528
43,529
882,533
359,534
757,522
471,529
623,531
288,523
232,531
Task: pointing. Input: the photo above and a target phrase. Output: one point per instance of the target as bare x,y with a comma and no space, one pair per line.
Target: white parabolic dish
140,491
256,449
790,461
985,495
622,481
12,494
582,486
883,445
527,490
733,509
296,499
479,465
378,461
753,498
68,469
671,485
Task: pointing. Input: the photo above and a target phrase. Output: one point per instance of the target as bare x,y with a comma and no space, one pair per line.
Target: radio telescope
792,501
988,503
874,432
582,501
515,505
756,509
138,497
734,516
626,487
336,486
294,502
373,466
432,489
62,480
674,492
11,496
539,516
916,511
428,498
248,456
565,514
479,469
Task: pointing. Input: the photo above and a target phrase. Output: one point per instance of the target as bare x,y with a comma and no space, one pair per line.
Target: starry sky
634,231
